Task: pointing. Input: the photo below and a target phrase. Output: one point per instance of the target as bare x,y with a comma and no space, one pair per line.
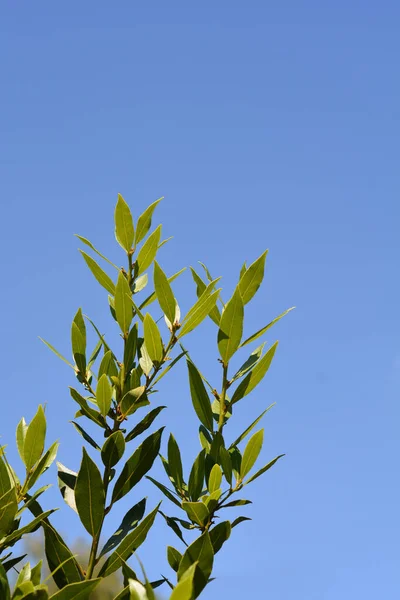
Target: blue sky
265,125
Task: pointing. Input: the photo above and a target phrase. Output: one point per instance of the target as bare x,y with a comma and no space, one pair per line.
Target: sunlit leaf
124,231
231,327
255,376
89,495
101,276
200,399
252,278
251,453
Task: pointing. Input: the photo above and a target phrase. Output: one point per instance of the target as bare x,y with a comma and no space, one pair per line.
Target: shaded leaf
90,495
85,435
89,412
219,534
226,464
113,449
174,557
8,510
144,423
200,399
255,376
175,462
239,520
128,523
133,400
130,348
196,478
165,491
237,503
137,465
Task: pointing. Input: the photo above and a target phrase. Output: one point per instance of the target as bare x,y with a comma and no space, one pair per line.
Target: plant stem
222,397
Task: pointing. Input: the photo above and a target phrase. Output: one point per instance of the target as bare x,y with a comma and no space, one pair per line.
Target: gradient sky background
264,125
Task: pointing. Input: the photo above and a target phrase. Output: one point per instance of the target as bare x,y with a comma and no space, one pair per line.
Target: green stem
222,397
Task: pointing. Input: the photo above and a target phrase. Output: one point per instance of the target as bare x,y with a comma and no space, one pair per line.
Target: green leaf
128,523
36,573
89,412
34,439
196,478
255,376
137,465
56,352
137,590
226,464
80,323
200,551
44,463
250,427
101,276
197,512
9,564
124,231
174,557
113,449
231,327
164,293
236,460
148,251
85,435
5,475
251,453
77,591
107,365
264,469
175,462
264,329
123,306
153,296
243,270
104,395
130,348
8,510
185,587
215,479
235,503
200,309
67,483
249,363
252,278
5,591
129,545
219,534
32,498
144,222
78,348
140,283
168,493
89,495
88,243
95,353
22,428
214,314
239,520
200,399
205,438
169,366
152,339
17,535
133,400
144,423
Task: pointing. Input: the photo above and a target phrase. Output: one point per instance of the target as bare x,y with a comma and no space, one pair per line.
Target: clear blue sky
264,125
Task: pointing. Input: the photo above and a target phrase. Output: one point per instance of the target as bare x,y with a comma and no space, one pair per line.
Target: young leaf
123,306
164,293
34,439
148,251
231,327
152,339
184,589
137,465
215,479
200,309
88,243
196,478
107,365
85,435
200,399
252,278
104,395
255,376
129,522
250,427
129,544
145,361
251,453
175,462
264,469
264,329
144,222
113,449
144,423
197,512
219,534
89,495
22,428
124,231
102,277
